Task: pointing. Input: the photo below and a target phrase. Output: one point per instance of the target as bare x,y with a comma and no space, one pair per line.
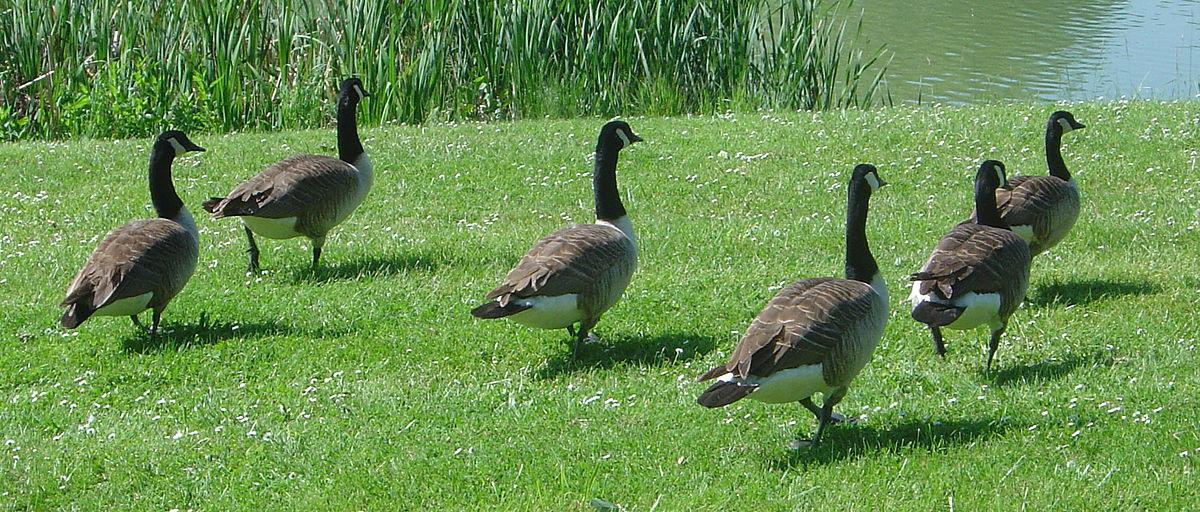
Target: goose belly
127,306
278,229
789,385
557,312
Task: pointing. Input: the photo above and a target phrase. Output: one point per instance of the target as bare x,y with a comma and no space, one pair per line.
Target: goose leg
571,330
585,327
136,322
252,266
318,243
939,347
827,412
834,417
994,344
154,322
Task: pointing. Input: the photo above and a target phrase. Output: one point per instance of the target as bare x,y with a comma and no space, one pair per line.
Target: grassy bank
110,69
368,386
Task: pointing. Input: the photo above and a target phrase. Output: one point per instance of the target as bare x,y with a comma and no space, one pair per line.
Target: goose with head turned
977,274
816,334
1042,209
574,275
145,263
304,195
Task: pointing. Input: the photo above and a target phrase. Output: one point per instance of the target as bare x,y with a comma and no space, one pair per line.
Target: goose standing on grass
977,274
1042,209
145,263
576,273
816,334
304,195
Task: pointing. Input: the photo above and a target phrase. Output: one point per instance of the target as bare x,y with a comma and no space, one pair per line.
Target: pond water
997,50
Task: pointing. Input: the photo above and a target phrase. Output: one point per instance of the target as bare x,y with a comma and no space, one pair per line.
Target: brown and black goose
304,195
977,274
576,273
816,334
1042,209
145,263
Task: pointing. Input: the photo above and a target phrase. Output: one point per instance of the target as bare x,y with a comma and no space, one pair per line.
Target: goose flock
813,337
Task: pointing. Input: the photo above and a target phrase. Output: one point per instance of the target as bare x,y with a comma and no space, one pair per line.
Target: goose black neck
1054,159
349,146
604,185
162,189
986,212
860,263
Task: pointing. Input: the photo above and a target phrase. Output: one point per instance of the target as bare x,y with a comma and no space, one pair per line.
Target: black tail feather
935,313
724,393
210,206
493,309
76,314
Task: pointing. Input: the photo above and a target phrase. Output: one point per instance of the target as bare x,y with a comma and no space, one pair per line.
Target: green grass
367,385
109,68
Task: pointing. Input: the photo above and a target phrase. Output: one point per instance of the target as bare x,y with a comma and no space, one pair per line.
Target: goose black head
991,176
616,135
177,141
1064,122
867,174
352,91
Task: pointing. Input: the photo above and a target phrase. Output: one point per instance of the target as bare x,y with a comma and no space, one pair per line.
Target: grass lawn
367,385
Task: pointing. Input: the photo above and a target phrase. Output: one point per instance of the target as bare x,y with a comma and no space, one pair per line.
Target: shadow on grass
629,350
205,332
1053,369
1078,293
369,266
842,442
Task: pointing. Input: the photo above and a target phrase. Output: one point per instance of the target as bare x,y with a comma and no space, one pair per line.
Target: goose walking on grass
1042,209
304,195
816,334
145,263
576,273
977,274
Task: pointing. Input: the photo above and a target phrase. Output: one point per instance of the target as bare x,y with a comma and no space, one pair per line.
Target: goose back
594,261
318,191
980,259
155,256
835,323
1042,209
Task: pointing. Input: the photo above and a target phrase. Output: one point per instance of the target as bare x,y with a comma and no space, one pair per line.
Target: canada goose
816,334
576,273
305,195
143,264
977,274
1042,209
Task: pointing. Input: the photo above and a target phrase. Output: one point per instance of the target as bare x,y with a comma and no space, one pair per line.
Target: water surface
974,52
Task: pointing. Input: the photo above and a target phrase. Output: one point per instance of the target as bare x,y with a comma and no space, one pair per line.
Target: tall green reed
109,68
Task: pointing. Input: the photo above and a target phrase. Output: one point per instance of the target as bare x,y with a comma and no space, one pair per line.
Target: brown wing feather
289,188
569,260
1032,199
132,260
973,257
802,325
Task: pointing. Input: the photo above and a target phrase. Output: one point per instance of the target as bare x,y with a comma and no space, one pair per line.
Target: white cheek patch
1066,125
179,149
624,138
1000,174
873,181
358,90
